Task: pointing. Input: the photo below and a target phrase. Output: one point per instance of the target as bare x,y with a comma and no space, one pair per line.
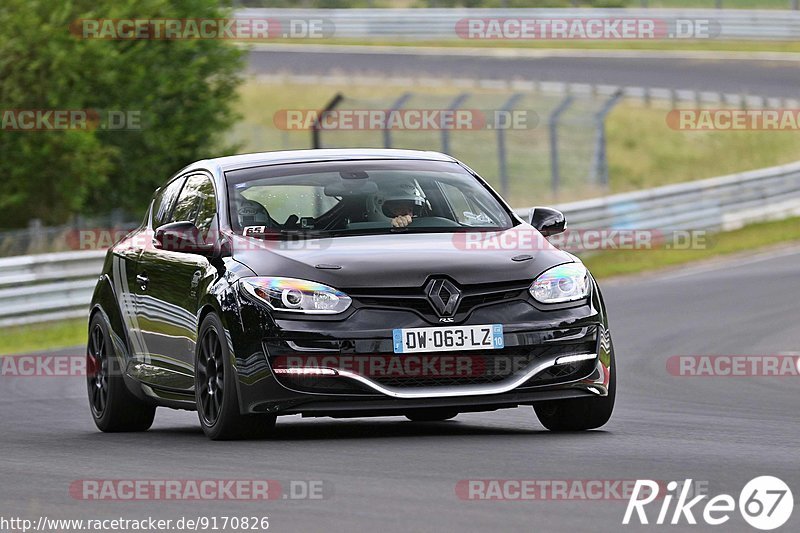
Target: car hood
404,259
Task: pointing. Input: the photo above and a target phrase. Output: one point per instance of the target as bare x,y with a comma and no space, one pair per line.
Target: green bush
182,90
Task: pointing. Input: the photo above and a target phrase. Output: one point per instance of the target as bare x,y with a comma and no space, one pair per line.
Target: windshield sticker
254,230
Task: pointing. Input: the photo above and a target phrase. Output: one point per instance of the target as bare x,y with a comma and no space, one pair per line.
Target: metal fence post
501,142
455,104
118,218
316,141
400,102
552,122
600,166
35,234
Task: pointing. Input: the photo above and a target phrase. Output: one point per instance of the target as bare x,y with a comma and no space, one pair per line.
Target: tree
181,90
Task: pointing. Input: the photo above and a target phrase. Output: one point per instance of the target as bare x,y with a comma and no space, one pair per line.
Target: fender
107,304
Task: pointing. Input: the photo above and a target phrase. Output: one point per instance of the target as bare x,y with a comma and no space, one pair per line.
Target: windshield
362,197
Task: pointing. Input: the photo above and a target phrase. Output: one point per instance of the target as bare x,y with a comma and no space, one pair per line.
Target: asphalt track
769,78
391,475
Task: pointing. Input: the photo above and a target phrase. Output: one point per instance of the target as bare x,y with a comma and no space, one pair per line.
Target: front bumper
529,366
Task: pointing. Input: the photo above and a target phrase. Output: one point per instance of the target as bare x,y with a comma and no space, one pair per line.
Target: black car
343,283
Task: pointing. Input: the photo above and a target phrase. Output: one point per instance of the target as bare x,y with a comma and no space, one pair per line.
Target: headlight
563,283
297,295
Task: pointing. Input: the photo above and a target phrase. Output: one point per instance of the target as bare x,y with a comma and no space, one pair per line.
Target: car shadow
384,428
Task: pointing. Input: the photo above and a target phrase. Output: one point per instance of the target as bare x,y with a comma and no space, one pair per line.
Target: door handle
142,280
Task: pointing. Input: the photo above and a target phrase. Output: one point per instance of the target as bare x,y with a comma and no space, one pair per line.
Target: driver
402,202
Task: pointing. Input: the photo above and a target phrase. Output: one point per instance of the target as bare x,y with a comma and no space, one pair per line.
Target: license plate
486,337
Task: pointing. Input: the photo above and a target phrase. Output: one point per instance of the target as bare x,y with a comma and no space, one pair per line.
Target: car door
169,290
127,254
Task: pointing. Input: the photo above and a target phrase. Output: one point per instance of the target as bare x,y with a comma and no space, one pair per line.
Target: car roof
241,161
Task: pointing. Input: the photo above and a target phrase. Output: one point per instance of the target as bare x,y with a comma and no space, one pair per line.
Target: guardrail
440,24
723,203
38,288
44,287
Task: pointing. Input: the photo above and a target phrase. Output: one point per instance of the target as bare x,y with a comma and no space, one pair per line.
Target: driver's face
402,210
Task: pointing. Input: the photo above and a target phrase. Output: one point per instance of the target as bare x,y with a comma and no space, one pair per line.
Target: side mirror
182,237
547,220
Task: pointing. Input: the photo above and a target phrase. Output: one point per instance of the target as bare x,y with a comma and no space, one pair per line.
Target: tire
216,389
431,415
579,414
114,408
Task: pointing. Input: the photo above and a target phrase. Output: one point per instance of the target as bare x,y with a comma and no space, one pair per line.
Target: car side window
197,203
164,200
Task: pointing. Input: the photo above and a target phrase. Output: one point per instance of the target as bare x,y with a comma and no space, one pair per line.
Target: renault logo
444,296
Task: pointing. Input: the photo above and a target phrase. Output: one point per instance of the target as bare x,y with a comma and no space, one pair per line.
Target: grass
704,45
642,150
39,337
22,339
752,237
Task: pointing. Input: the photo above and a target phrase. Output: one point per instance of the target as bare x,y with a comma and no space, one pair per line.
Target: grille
562,373
323,384
415,299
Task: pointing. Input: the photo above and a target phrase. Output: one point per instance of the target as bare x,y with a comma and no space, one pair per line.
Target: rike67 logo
765,503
